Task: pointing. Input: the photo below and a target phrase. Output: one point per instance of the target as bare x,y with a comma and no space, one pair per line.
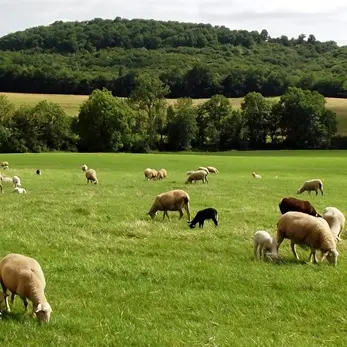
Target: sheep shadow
19,317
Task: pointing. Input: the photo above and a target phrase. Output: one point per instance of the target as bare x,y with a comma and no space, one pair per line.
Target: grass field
71,104
116,278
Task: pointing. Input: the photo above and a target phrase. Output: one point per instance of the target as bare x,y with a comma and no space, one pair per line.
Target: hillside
195,60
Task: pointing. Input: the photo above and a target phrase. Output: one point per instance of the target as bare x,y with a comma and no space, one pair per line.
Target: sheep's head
43,312
299,191
152,214
191,226
331,256
84,167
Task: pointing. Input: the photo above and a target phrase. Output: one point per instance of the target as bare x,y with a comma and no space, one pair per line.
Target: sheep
38,172
212,169
199,175
294,204
315,184
150,174
202,215
84,167
173,200
19,190
256,175
91,176
336,221
303,229
23,276
16,181
161,174
204,168
264,244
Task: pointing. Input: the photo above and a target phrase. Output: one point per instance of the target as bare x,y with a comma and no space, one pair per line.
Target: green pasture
116,278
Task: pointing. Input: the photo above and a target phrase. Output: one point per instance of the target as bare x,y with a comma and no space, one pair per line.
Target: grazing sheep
91,176
19,190
212,169
256,175
84,167
23,276
263,244
150,174
174,200
202,215
204,168
16,181
199,175
315,184
161,174
336,221
303,229
38,172
294,204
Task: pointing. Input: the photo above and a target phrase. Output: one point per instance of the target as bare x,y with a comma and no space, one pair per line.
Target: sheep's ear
324,255
39,308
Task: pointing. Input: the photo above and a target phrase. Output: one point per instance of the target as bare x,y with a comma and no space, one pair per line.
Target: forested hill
195,60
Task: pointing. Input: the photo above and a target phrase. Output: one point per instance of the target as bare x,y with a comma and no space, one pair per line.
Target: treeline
145,122
194,60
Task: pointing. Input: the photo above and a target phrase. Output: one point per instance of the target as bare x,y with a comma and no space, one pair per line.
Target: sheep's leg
278,242
316,192
206,179
186,207
167,215
25,302
181,213
12,298
321,191
201,224
292,245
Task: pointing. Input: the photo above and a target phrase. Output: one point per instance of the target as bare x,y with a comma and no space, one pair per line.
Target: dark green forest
193,60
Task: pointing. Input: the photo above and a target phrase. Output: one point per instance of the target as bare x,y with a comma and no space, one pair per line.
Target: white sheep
150,174
204,168
23,276
19,190
199,175
315,184
16,181
263,243
161,174
336,221
212,169
303,229
174,200
91,176
256,175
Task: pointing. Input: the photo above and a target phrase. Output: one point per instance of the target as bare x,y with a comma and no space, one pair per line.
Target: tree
148,98
257,114
182,127
104,123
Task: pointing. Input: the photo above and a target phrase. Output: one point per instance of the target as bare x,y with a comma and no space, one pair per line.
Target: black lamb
202,215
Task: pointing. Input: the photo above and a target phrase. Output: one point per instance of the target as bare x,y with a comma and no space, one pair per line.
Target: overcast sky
325,19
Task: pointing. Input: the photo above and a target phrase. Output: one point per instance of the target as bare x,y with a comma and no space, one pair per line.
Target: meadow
71,104
116,278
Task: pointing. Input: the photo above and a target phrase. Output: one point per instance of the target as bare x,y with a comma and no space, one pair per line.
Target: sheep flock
298,221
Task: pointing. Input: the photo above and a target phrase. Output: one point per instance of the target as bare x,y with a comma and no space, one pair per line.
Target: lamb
315,184
91,176
202,215
16,181
204,168
301,228
294,204
263,244
199,175
173,200
336,221
150,174
212,169
161,174
23,276
256,175
19,190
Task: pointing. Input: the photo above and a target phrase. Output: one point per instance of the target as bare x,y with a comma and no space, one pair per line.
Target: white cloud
324,19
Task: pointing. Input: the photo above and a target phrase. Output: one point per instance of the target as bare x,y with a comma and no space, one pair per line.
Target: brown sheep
294,204
174,200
